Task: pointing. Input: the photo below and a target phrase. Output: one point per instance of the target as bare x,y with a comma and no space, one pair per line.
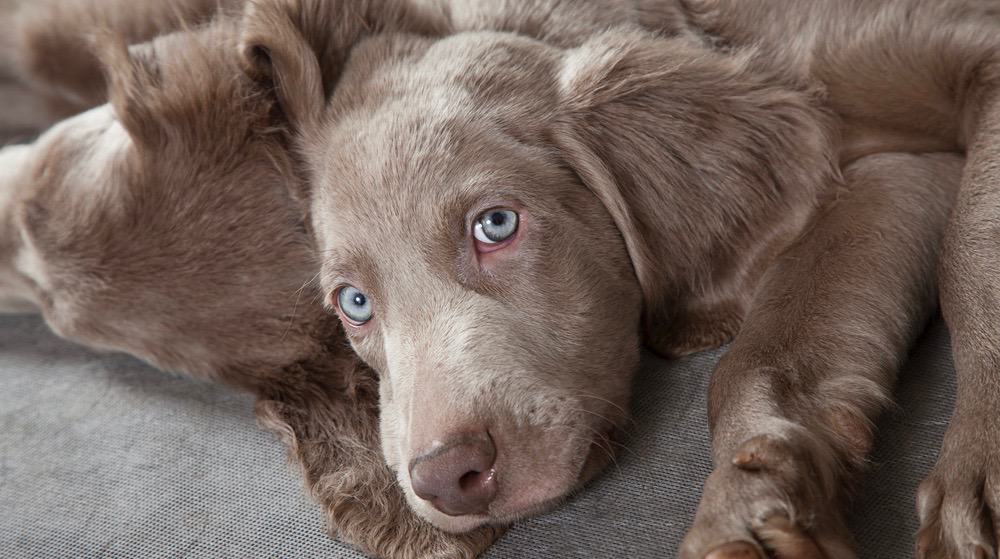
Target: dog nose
457,477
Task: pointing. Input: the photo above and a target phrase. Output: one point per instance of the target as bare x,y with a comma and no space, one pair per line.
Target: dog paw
768,501
959,502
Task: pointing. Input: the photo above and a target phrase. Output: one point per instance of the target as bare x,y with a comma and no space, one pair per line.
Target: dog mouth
599,455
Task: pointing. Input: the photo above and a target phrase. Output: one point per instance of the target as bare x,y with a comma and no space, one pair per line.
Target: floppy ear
279,45
694,155
300,46
51,40
133,75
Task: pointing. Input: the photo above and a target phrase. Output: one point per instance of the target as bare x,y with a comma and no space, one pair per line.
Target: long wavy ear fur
276,48
694,154
132,75
52,44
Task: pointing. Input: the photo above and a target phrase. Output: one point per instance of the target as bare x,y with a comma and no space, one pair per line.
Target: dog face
494,294
471,267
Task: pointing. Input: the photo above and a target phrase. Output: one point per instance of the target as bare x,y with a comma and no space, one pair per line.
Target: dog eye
355,305
495,226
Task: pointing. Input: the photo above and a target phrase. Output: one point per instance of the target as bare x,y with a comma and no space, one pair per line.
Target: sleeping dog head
161,223
503,218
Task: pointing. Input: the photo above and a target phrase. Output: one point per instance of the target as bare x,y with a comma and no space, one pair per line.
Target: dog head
491,290
495,214
162,223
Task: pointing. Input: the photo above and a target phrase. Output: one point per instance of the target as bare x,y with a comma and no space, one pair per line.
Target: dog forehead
470,74
405,157
470,58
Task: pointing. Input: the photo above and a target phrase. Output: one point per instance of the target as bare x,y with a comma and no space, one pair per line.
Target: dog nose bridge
438,399
428,352
432,323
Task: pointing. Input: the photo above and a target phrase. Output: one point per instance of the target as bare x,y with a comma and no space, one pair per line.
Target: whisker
627,416
295,306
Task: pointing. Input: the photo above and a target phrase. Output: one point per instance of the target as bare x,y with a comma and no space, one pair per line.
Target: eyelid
494,201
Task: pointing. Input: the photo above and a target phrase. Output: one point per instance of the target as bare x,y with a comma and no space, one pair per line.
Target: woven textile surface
102,456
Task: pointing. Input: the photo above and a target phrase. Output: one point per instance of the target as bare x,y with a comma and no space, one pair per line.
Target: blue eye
354,304
495,226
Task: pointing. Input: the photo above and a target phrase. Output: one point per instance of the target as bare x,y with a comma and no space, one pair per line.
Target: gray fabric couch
102,456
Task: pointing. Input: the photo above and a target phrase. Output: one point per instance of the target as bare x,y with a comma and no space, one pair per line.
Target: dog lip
483,516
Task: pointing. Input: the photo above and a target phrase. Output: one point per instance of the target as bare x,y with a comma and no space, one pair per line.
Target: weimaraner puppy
511,198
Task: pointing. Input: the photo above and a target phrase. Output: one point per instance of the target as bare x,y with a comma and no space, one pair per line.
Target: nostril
468,480
474,480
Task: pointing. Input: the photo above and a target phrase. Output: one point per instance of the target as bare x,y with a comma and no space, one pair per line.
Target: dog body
779,177
929,84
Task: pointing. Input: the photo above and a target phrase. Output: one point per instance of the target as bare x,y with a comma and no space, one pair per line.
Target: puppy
163,225
507,212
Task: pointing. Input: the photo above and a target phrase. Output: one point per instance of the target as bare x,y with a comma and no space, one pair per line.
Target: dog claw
735,550
761,453
748,460
779,534
747,502
959,501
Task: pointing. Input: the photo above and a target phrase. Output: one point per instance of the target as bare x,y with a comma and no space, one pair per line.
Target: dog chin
454,524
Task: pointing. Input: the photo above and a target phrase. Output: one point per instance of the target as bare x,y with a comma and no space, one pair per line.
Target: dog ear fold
300,46
281,44
696,156
51,40
132,75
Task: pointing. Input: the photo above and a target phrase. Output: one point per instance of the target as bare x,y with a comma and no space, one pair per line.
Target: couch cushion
102,456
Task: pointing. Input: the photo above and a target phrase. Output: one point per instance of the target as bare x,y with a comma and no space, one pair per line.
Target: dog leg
959,503
792,402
